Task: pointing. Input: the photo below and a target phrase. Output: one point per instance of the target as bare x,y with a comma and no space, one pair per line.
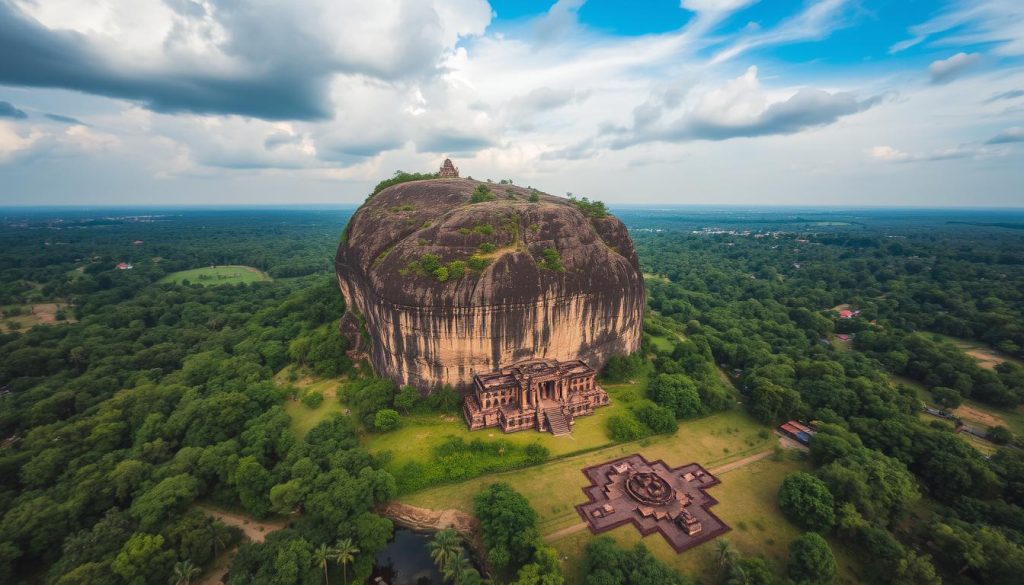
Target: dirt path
254,530
739,463
972,414
573,529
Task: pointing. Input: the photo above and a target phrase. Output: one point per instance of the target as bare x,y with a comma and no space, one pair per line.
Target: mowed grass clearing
420,433
303,417
747,495
217,275
32,314
748,503
555,487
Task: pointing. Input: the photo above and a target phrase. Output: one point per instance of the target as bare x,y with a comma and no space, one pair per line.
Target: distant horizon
611,205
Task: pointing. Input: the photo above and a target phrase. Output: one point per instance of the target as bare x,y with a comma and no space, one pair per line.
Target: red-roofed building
797,431
845,314
124,266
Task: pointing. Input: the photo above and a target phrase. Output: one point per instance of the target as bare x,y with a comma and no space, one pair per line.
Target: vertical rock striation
427,331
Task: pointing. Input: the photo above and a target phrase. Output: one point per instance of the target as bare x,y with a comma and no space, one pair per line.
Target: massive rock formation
427,331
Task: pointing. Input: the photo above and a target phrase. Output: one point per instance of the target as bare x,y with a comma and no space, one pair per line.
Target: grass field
747,494
986,356
747,503
662,343
420,433
555,487
216,275
30,315
303,417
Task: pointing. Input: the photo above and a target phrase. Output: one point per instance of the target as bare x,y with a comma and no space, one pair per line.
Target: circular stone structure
427,331
649,488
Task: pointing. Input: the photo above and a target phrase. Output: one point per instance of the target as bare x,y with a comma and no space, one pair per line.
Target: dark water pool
406,561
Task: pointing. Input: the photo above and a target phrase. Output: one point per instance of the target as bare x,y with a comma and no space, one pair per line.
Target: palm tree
457,568
725,554
444,547
184,572
322,555
344,553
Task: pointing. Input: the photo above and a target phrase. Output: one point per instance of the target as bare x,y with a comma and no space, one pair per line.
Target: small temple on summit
448,170
540,394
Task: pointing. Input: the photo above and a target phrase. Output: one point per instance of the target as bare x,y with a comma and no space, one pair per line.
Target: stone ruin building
546,395
448,170
654,498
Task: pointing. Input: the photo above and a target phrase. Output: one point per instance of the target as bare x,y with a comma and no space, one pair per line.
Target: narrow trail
254,530
739,463
574,528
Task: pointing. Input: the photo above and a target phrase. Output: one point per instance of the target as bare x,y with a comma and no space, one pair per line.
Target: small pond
406,561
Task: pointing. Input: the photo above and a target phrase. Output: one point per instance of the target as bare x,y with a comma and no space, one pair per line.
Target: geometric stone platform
653,497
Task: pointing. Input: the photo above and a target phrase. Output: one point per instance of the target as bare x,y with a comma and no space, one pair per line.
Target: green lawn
216,275
748,503
555,487
662,343
303,417
420,433
747,494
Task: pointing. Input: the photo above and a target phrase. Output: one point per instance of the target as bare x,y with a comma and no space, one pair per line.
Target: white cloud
964,151
322,98
946,70
974,22
1008,136
13,142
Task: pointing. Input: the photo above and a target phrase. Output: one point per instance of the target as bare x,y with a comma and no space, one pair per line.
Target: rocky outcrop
426,331
427,520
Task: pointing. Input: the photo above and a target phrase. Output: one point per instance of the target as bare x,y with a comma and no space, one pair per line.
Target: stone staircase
557,422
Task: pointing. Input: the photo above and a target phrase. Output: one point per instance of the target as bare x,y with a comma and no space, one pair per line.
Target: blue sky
816,102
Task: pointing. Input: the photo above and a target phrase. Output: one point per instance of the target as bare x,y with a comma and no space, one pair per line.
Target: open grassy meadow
420,433
217,275
25,317
729,441
986,356
555,487
748,503
303,417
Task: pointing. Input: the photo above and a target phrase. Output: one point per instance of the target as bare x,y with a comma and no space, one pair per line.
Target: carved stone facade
448,170
546,395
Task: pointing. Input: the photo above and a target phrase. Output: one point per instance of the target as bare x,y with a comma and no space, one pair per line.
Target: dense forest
761,297
143,401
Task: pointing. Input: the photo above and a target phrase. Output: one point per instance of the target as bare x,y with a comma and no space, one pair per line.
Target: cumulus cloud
271,61
13,142
946,70
559,20
7,110
1008,136
740,108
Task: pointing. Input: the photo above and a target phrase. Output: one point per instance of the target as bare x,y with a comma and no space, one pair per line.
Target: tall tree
322,555
344,553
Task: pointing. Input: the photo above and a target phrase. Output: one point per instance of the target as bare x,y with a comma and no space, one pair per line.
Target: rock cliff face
427,331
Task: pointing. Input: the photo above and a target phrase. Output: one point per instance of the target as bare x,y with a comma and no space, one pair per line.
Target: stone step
557,422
